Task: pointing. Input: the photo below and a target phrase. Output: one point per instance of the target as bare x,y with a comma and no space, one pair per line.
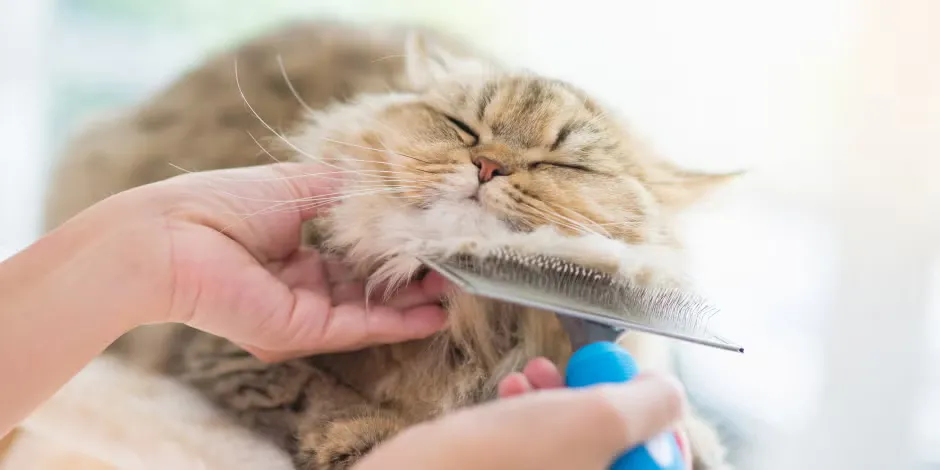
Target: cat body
440,150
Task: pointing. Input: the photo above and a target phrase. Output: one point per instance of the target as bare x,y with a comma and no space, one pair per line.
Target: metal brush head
557,285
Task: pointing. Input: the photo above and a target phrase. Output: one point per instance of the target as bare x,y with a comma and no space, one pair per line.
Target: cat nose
489,169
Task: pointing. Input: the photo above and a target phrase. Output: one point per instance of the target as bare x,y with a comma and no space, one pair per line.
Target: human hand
542,374
555,428
221,254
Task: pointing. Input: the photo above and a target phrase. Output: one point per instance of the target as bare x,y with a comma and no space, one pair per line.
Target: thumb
552,429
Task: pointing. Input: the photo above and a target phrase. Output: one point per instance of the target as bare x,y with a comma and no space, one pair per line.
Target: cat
442,149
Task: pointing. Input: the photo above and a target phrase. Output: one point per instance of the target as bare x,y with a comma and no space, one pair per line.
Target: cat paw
339,444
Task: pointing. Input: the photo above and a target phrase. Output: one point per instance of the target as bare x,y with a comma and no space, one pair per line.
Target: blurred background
824,260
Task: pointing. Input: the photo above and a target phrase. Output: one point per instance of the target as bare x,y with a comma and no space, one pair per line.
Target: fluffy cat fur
404,119
175,428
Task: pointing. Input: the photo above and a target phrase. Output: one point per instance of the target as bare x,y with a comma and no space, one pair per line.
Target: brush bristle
667,309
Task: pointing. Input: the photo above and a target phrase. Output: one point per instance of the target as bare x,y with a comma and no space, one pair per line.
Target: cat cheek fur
398,197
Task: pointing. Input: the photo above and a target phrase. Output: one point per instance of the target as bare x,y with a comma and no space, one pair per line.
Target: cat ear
427,63
679,189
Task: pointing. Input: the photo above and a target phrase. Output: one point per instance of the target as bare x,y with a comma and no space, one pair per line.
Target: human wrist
63,300
95,266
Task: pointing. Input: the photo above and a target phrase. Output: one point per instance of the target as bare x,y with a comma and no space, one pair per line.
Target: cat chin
398,238
438,232
650,264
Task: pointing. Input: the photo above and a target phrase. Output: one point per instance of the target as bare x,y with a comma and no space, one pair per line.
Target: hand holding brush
558,428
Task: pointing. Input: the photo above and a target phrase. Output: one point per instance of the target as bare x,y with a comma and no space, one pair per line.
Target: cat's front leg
339,441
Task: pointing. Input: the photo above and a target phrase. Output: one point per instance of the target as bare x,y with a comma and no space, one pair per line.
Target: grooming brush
594,308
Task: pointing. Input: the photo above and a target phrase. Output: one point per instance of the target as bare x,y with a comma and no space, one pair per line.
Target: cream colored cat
439,150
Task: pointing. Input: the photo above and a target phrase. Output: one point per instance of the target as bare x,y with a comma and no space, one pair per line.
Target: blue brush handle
606,362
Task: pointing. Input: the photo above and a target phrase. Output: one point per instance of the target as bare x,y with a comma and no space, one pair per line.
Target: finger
435,285
428,290
293,187
348,292
607,419
337,272
306,181
303,270
353,326
543,374
553,429
514,384
260,207
648,408
272,357
539,373
388,325
682,440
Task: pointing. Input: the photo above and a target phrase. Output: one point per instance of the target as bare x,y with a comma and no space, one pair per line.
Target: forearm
61,304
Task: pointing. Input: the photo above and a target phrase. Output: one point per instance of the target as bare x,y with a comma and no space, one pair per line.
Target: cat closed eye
463,127
560,139
569,166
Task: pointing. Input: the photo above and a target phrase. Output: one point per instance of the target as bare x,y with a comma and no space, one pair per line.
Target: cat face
476,151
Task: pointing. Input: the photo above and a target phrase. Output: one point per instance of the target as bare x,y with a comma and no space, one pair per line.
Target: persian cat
437,146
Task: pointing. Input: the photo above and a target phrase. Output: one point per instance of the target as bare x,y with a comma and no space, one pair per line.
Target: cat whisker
363,147
552,218
533,211
627,223
271,129
556,208
365,114
400,153
391,56
323,175
177,167
377,162
308,108
398,172
363,191
290,86
321,161
361,172
320,197
388,148
392,184
390,194
586,218
636,221
263,148
301,204
314,204
584,228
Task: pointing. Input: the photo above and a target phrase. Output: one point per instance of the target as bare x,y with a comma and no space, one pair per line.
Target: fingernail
680,442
